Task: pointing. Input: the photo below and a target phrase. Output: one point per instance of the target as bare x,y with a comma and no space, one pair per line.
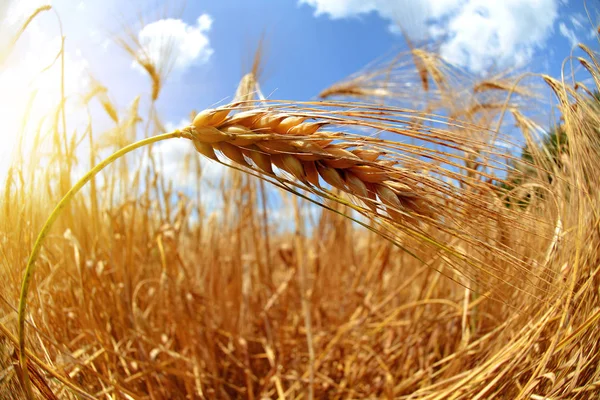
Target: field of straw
414,253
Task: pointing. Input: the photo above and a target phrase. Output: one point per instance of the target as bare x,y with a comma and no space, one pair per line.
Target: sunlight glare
30,85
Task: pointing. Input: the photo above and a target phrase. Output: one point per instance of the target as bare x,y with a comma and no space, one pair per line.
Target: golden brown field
414,255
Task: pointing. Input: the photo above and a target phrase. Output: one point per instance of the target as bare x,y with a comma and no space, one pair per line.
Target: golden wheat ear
271,141
417,192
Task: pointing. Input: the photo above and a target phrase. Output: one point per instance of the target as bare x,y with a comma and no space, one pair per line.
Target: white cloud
568,33
387,9
578,20
178,160
170,126
410,14
474,33
506,33
187,44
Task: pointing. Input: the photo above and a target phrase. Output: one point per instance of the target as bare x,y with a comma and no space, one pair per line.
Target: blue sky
313,43
310,44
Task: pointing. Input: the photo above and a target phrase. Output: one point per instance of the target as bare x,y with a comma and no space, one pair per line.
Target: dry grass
412,280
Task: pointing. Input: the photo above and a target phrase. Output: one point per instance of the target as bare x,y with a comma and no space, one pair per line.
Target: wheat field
414,252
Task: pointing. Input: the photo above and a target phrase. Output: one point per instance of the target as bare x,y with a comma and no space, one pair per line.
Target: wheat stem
30,268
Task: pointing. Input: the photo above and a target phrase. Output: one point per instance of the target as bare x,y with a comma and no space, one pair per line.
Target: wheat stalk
62,204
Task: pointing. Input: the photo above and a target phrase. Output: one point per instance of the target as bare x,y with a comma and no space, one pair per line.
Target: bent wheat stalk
30,268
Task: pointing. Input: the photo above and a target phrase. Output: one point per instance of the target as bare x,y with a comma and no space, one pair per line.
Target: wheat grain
262,139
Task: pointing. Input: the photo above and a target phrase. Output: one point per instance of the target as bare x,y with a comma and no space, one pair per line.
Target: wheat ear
269,141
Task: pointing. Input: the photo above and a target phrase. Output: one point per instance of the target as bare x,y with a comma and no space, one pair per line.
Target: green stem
29,270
